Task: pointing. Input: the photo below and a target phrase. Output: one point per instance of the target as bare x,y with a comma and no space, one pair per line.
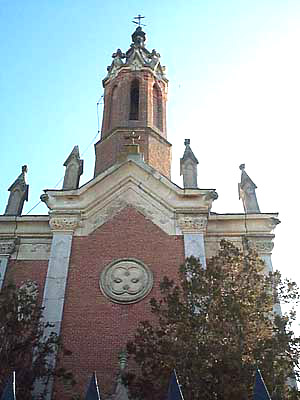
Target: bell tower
135,95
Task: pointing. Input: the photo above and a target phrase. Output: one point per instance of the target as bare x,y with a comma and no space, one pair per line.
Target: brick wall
94,328
156,150
19,271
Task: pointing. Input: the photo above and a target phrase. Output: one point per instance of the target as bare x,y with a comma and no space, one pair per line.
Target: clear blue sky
233,68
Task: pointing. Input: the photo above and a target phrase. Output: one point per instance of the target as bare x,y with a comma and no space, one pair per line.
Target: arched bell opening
157,107
134,100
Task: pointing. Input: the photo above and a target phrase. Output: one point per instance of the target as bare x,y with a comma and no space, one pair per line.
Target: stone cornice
241,224
24,226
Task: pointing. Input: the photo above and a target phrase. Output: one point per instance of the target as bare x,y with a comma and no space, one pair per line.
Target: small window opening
134,100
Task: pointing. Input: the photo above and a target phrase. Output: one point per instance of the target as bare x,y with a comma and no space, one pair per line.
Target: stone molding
63,223
192,224
7,247
126,281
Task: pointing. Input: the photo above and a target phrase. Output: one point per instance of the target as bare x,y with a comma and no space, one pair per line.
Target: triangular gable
133,184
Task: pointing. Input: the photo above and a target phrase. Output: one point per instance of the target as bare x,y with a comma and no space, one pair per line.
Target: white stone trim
194,246
54,291
3,267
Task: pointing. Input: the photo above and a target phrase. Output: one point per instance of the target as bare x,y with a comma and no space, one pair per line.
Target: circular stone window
126,281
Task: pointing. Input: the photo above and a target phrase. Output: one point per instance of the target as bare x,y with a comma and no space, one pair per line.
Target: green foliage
22,347
215,327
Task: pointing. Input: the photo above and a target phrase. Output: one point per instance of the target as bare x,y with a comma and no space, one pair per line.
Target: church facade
100,253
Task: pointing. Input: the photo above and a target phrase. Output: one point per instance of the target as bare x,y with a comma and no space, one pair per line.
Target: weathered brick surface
19,271
94,328
156,150
117,101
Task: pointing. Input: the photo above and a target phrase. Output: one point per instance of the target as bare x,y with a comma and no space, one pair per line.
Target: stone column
264,247
7,247
56,279
193,229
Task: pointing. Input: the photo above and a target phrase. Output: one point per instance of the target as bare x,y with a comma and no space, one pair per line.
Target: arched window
157,107
112,106
134,100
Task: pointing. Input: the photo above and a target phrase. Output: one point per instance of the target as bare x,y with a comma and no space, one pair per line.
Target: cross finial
186,142
133,136
139,17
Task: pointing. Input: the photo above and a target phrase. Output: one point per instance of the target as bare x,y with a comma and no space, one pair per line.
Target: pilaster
7,247
193,229
62,227
264,246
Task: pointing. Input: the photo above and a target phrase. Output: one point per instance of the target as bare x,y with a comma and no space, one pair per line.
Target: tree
22,346
216,326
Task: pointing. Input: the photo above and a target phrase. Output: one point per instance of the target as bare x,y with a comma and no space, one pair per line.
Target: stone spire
247,193
188,167
74,169
18,194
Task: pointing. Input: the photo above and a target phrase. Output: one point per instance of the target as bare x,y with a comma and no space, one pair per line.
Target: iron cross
139,17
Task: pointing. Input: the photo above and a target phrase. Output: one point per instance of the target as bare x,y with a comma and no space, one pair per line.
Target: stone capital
63,223
7,246
262,246
192,224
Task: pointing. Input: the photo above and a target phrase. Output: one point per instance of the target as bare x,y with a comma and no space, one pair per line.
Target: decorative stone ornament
188,167
192,223
7,246
63,223
126,281
74,169
137,57
18,194
247,193
264,246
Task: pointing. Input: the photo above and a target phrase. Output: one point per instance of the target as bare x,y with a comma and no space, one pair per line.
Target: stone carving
126,281
137,57
262,246
48,200
63,223
192,224
18,194
188,167
211,195
74,169
247,193
7,246
274,222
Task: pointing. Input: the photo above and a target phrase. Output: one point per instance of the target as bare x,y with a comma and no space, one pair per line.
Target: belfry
99,254
135,95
